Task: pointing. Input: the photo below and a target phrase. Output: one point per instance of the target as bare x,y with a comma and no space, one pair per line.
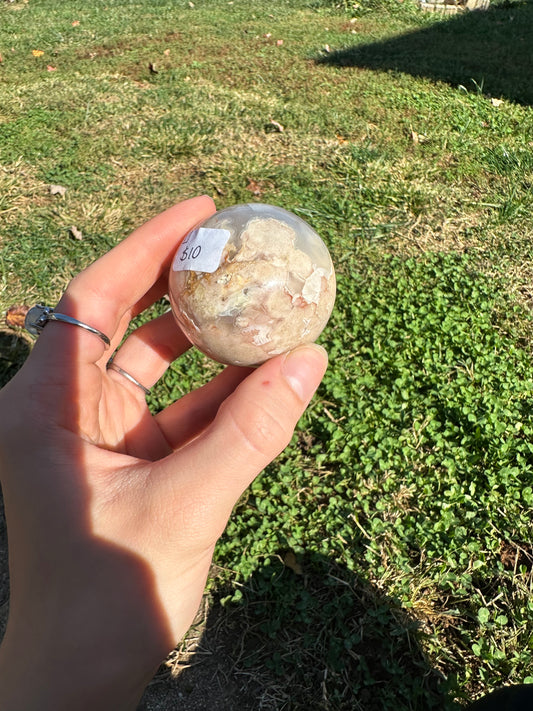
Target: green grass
405,497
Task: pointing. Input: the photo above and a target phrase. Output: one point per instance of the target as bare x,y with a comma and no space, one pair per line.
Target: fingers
121,277
257,422
191,414
149,350
252,426
112,286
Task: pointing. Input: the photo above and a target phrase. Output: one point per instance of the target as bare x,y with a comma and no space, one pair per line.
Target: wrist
34,680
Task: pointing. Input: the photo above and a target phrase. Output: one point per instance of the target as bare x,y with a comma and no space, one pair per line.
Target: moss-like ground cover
384,560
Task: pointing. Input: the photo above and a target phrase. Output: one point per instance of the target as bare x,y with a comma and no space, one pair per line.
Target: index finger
102,294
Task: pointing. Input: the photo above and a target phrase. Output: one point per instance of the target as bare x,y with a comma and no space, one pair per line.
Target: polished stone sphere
250,282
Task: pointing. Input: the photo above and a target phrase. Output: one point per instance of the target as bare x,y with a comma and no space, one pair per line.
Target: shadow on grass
489,51
14,350
320,638
304,635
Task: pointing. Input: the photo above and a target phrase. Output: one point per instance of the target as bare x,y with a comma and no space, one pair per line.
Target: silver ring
111,365
39,315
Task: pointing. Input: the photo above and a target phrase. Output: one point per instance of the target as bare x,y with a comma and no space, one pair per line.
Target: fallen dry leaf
513,555
418,137
50,68
76,233
166,52
75,23
16,315
290,562
277,125
255,188
57,190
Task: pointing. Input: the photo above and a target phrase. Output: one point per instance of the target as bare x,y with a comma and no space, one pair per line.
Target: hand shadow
14,350
488,51
312,636
66,506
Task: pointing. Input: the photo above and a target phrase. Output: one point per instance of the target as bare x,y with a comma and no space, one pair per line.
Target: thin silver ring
111,365
39,315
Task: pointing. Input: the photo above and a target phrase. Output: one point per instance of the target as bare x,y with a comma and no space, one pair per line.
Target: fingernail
303,369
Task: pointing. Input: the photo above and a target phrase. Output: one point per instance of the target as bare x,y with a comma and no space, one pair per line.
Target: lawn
384,560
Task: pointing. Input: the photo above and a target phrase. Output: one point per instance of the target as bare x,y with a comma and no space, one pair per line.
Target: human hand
113,514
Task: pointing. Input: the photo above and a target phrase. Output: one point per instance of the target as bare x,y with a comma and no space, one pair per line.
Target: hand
113,514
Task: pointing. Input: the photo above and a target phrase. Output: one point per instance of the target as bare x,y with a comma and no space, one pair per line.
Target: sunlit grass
407,490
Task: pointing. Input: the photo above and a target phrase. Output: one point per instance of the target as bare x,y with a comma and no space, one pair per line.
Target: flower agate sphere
250,282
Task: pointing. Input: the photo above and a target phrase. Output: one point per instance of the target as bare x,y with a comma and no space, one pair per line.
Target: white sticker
201,250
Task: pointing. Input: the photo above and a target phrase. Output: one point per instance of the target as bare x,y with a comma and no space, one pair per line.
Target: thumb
253,425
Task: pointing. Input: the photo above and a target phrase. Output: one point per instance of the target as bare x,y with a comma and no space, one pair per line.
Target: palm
125,423
107,295
116,416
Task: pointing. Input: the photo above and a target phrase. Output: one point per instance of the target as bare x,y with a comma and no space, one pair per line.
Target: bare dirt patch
203,673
